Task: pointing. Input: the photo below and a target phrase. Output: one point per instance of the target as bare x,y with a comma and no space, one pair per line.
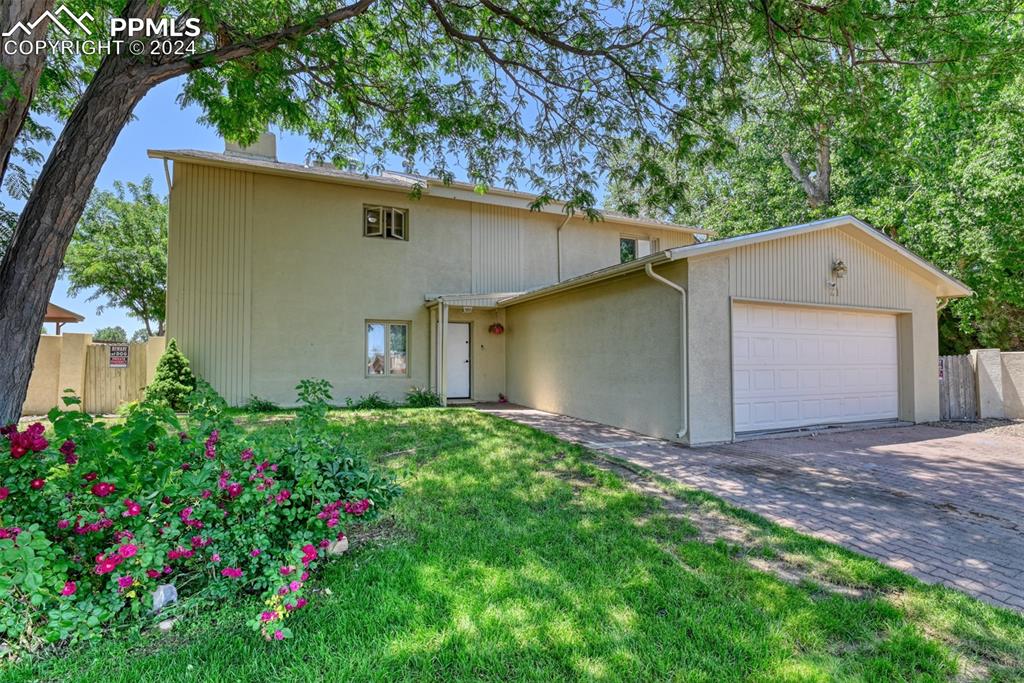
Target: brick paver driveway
943,505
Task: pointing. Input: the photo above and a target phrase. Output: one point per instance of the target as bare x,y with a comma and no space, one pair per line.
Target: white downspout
558,248
684,376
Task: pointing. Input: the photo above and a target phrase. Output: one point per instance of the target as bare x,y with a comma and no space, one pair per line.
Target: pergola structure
59,316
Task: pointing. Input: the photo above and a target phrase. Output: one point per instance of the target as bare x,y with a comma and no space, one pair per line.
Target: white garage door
796,366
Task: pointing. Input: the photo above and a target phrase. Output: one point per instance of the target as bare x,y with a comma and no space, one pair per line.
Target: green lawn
513,556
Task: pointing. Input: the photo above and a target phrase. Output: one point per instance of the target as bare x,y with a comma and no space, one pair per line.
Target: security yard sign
118,355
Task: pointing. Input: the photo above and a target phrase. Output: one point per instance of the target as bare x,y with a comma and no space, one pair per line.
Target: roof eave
947,286
456,190
590,278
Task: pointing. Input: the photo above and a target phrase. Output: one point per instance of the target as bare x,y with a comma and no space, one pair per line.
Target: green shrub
95,516
173,381
255,404
372,401
422,398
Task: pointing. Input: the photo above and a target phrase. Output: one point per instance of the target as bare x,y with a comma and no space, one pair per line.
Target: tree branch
264,43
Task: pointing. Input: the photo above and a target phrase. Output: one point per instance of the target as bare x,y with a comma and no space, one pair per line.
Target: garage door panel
795,366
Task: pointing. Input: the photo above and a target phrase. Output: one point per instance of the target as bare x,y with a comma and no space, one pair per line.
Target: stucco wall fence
75,362
1000,382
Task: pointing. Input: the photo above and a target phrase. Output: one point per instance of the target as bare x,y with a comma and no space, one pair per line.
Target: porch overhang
439,305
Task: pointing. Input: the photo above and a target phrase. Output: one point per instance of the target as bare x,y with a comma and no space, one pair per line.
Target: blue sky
159,123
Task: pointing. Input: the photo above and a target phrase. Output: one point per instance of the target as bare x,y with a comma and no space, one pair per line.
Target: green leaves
120,249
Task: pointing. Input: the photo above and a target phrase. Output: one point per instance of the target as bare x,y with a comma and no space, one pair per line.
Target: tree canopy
930,155
110,334
120,250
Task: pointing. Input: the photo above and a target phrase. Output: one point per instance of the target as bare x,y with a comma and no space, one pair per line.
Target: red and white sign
118,355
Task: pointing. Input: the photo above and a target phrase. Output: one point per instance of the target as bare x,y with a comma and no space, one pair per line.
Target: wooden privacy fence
958,389
106,387
104,376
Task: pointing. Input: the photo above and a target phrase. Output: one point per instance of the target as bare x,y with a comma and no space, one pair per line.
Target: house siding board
209,308
797,269
497,249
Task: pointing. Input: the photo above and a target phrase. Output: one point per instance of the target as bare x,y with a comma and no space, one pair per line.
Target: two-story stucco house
279,271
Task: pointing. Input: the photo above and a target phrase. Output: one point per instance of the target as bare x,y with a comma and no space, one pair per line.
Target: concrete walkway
943,505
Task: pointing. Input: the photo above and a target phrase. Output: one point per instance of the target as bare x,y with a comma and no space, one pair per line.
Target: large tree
531,90
928,152
120,251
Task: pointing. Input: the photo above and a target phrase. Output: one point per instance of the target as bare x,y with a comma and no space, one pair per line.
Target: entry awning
467,300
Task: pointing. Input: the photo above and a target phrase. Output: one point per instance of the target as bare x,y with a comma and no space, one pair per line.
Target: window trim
652,243
387,348
636,247
386,222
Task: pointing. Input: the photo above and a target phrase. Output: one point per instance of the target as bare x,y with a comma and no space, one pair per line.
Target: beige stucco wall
565,352
796,270
608,352
270,279
45,380
1013,384
63,362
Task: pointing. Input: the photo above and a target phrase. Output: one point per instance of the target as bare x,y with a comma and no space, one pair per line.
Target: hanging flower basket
496,328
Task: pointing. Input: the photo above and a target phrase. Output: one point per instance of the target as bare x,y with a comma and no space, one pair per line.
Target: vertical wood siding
209,288
106,388
797,269
497,250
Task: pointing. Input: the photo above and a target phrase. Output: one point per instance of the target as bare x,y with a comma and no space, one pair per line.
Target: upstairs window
386,222
632,248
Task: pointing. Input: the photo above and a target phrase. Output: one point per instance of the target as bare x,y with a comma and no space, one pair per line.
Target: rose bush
93,517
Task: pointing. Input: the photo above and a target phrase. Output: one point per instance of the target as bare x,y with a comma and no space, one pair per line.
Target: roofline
70,316
957,288
592,277
455,190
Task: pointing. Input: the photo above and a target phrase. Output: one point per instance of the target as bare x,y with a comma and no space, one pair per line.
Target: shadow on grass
519,560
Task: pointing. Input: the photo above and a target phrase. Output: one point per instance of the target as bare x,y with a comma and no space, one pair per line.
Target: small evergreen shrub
95,517
173,381
255,404
372,401
422,398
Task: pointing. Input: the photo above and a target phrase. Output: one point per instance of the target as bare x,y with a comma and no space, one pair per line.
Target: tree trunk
817,188
33,261
24,69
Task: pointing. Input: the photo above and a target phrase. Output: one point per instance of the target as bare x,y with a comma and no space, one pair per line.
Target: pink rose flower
69,588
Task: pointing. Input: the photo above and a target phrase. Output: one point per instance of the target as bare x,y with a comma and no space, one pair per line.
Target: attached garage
795,366
823,323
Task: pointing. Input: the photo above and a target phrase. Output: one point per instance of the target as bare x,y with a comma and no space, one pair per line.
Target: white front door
795,366
458,360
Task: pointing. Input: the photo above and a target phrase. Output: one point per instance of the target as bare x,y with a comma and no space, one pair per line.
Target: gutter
684,375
